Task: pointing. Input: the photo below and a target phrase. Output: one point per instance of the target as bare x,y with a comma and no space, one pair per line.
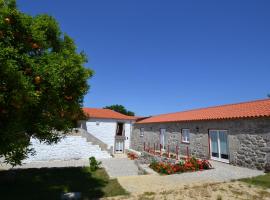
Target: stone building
238,134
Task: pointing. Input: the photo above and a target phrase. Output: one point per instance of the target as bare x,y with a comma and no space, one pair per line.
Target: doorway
119,146
120,138
218,140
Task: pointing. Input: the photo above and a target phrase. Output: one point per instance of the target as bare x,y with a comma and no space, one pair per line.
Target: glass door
214,144
162,137
223,140
119,146
219,145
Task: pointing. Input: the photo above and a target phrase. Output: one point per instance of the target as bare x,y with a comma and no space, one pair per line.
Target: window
120,129
141,132
185,135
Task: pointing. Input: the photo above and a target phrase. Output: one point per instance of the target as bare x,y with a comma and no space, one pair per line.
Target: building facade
112,128
238,134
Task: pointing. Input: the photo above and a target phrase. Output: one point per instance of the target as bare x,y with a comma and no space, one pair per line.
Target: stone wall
248,139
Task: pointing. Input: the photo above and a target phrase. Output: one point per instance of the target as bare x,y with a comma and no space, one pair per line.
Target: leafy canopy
42,81
120,109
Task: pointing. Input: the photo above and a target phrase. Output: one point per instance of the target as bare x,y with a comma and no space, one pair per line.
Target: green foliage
194,162
94,164
42,81
120,109
263,180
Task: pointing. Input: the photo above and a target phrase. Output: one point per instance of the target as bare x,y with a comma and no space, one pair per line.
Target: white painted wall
70,147
127,134
105,129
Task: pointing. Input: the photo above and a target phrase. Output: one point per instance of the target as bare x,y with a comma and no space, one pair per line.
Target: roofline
202,108
199,120
197,109
110,118
130,118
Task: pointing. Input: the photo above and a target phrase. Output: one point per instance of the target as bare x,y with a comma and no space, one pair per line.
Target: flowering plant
162,168
132,156
188,164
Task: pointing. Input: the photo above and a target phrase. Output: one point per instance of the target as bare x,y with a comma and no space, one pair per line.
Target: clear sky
157,56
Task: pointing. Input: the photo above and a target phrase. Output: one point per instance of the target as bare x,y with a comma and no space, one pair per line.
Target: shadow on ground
49,183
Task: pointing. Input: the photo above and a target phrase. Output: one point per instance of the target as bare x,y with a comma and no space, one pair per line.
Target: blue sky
157,56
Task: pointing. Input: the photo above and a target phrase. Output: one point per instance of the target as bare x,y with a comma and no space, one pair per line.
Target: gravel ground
118,167
221,172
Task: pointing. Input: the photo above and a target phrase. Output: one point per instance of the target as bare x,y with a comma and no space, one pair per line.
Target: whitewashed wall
70,147
127,134
105,129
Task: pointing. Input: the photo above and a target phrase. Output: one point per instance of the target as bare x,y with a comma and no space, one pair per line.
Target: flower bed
184,165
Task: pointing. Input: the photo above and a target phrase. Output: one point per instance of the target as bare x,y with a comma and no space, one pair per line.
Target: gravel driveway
118,167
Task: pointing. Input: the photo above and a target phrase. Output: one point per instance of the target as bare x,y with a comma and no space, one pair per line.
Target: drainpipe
176,151
144,146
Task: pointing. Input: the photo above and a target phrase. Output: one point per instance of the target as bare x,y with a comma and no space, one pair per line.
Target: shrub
181,162
94,164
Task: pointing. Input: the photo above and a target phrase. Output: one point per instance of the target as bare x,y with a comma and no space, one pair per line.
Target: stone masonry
248,139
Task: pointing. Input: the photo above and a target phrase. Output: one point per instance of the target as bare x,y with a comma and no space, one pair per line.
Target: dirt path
204,191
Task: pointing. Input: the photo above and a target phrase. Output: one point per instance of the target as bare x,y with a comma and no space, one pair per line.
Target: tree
120,109
42,81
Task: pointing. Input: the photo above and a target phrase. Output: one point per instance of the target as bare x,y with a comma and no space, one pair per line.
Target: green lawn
263,180
49,183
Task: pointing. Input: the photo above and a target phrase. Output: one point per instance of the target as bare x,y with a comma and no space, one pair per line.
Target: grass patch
49,183
263,180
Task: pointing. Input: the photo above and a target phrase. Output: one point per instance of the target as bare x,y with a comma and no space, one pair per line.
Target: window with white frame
141,132
185,135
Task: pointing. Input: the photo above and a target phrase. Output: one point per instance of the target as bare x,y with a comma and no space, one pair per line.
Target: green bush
181,163
94,164
195,163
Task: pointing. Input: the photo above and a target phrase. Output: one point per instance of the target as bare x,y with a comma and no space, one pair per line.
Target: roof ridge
93,108
117,112
217,106
106,113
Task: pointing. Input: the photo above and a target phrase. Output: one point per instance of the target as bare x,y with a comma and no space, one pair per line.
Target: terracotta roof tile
105,114
259,108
